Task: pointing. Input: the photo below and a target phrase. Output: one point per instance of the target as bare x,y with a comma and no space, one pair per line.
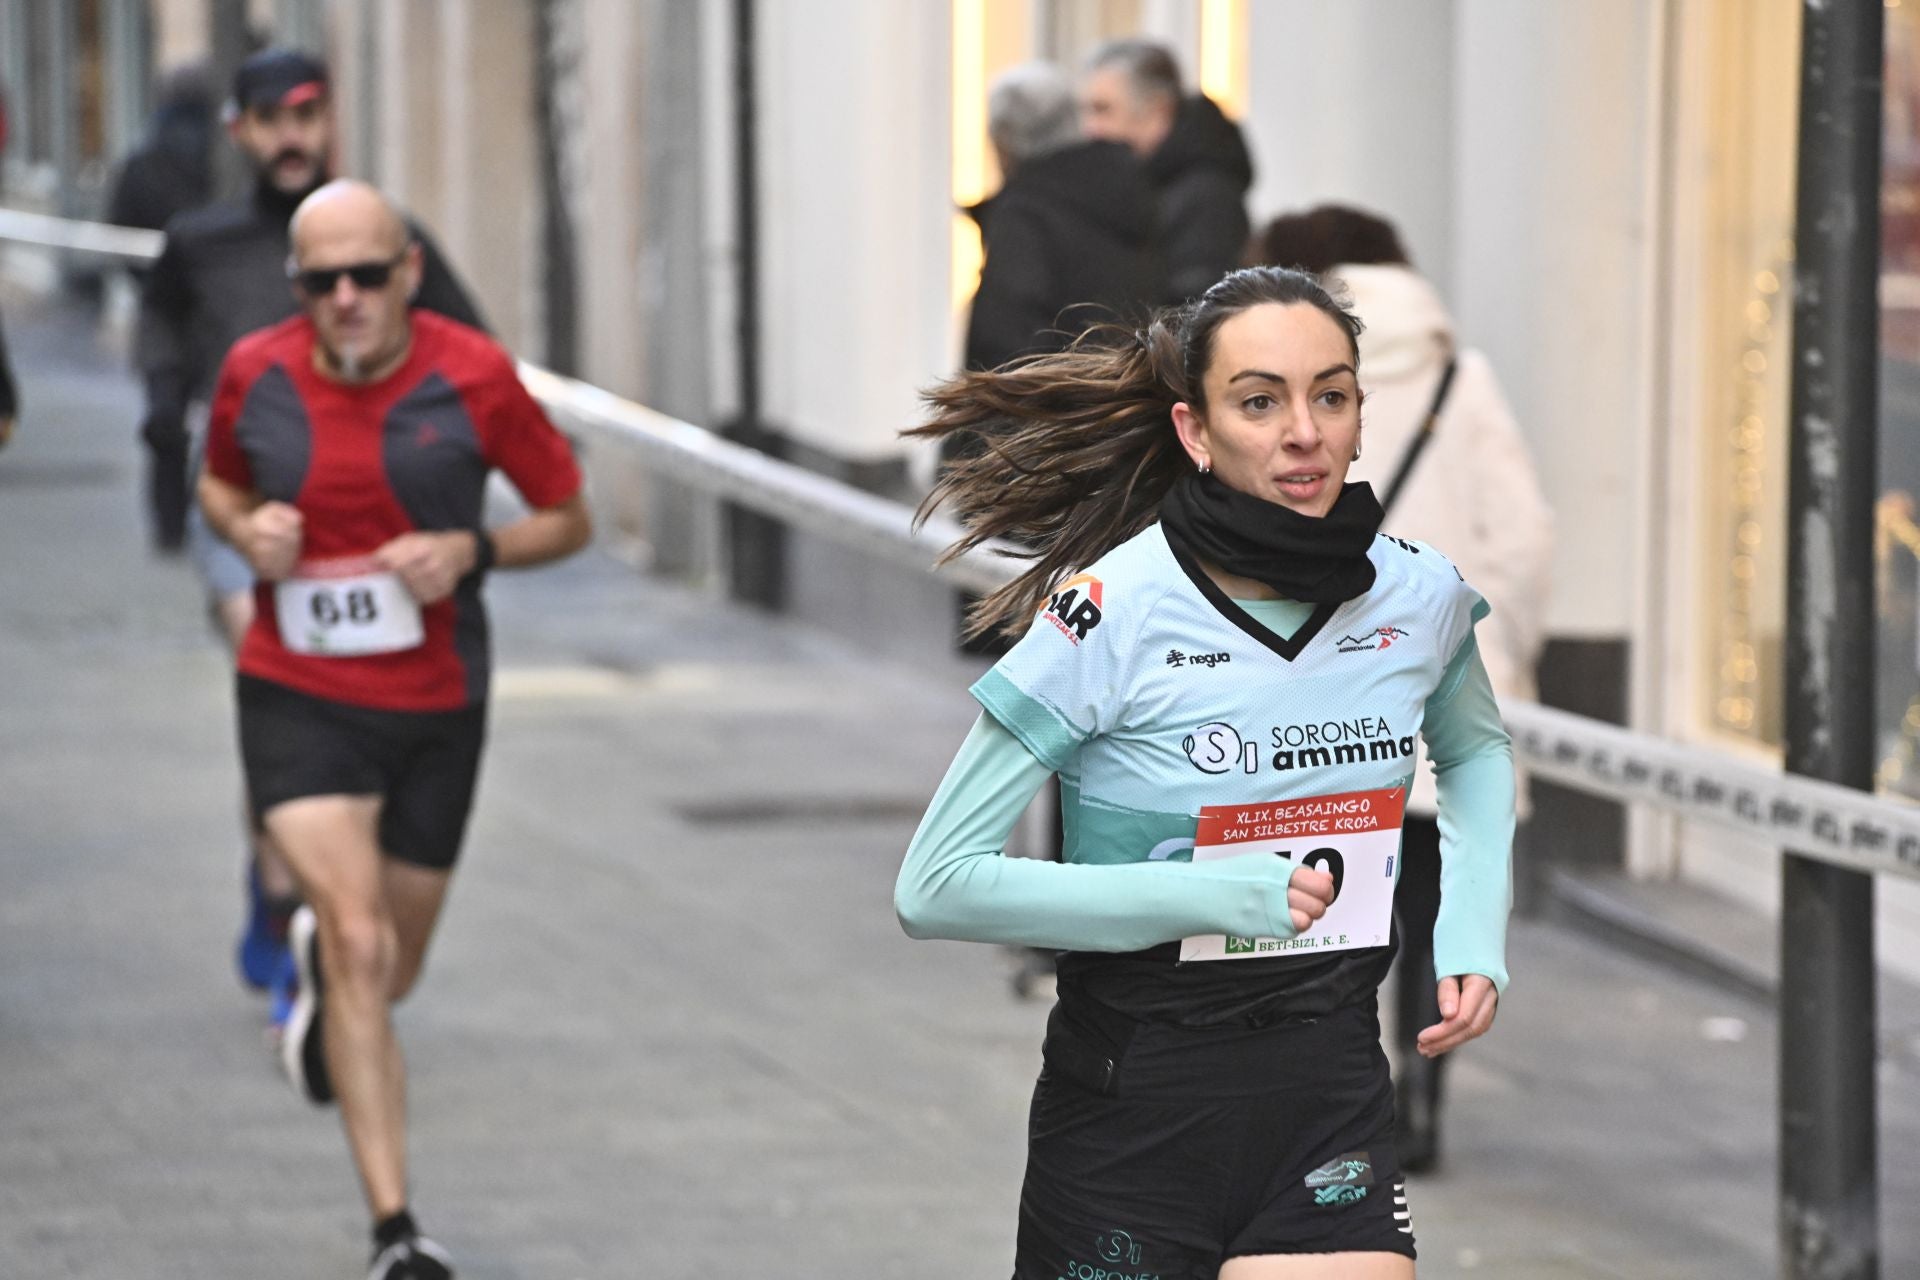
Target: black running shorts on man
423,764
1158,1152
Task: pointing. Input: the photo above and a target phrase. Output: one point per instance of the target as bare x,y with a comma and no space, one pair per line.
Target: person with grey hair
1195,157
1071,237
1030,110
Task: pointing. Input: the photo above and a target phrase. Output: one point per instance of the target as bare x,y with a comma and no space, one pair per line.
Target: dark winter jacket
223,274
1071,240
170,172
1201,172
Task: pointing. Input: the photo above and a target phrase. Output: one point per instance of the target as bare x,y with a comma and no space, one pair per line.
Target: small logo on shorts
1118,1246
1238,946
1114,1249
1343,1180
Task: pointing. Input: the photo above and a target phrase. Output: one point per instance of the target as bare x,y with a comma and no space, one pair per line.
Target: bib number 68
360,607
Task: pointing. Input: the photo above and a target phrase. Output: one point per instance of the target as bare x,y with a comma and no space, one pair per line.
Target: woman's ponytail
1067,455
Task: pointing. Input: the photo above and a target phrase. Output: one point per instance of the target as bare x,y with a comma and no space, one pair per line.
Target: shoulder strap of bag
1420,438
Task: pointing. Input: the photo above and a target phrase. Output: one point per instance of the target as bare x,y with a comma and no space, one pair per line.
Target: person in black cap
222,273
1195,156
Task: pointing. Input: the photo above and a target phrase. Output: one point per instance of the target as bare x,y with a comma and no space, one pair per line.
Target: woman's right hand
1309,894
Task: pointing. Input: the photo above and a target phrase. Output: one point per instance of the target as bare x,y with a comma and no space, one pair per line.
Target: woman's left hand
1467,1007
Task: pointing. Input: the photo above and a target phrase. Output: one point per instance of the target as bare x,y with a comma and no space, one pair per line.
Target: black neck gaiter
1321,560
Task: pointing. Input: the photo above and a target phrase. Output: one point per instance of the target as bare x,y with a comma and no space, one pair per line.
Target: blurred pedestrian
1452,469
171,170
1226,664
348,458
1195,156
223,273
9,398
1071,237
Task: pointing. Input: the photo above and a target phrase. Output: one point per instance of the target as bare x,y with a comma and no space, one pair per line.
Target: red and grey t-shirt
365,464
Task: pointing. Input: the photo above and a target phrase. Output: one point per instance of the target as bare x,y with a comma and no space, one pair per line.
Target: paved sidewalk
670,1028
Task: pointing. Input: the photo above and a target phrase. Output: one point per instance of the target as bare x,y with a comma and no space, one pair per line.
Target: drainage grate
60,475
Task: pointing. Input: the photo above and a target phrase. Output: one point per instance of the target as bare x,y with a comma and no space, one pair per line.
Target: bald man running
347,457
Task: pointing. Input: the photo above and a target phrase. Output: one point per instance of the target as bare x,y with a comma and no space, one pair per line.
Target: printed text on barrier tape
1817,818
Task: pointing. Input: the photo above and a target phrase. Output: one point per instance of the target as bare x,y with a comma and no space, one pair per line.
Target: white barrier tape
752,479
1836,824
132,245
1833,823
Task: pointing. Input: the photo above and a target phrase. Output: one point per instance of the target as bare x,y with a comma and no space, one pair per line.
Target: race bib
1354,837
346,608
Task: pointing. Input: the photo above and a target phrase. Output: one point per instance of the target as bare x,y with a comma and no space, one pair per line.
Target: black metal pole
227,40
747,209
560,252
756,545
1829,1193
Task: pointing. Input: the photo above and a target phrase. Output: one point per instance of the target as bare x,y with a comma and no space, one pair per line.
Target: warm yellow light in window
969,140
1223,54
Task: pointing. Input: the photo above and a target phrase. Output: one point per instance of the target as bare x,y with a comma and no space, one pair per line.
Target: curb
1599,914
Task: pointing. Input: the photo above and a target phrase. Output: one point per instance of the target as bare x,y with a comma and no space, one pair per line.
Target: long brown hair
1068,455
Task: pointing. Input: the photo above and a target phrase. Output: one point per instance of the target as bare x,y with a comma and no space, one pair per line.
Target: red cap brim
303,93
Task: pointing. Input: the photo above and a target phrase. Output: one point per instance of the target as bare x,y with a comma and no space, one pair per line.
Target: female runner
1228,668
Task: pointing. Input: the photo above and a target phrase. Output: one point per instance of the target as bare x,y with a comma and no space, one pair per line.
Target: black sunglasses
320,281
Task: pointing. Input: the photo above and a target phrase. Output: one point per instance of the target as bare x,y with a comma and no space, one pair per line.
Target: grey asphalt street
669,1027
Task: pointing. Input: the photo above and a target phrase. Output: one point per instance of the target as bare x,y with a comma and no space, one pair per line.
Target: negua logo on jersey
1074,607
1378,638
1218,748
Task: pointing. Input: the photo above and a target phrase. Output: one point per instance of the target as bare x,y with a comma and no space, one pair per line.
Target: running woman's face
287,143
1283,407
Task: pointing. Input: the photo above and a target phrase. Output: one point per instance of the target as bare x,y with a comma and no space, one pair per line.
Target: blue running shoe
285,989
262,950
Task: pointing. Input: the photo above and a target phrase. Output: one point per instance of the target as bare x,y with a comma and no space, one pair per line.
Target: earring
1206,468
1356,451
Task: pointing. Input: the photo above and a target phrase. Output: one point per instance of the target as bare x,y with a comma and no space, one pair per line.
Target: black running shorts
1160,1158
422,764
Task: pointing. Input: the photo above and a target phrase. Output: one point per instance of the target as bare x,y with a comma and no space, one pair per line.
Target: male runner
347,459
221,274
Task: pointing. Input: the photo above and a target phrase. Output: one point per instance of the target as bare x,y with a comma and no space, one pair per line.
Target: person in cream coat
1470,489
